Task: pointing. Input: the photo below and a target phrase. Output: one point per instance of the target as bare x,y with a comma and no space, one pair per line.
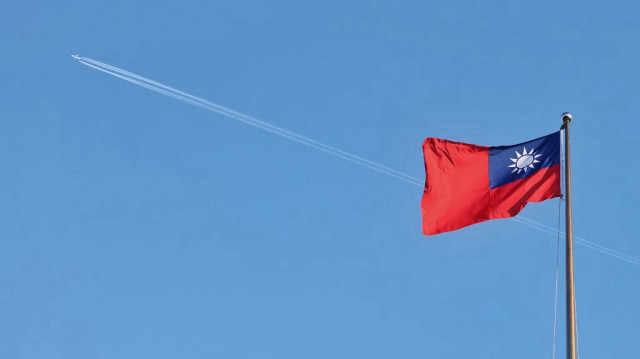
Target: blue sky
133,225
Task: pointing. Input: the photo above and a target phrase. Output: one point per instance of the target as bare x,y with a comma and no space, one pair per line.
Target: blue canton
511,163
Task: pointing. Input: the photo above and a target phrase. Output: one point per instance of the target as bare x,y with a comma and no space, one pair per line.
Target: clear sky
136,226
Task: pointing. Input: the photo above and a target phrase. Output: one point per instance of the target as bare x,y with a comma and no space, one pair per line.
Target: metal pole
571,300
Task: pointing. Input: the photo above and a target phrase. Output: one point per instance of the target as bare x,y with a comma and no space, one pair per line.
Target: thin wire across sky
279,131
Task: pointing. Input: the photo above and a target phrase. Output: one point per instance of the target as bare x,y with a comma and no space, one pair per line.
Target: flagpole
571,300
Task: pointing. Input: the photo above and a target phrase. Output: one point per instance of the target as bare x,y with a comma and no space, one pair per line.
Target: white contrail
183,96
214,107
262,125
579,240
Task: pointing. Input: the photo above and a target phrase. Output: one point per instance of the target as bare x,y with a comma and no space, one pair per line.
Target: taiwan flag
467,184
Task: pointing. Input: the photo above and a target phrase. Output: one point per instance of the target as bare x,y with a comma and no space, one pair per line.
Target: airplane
77,57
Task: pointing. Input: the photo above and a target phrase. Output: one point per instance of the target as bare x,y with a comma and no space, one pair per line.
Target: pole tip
566,117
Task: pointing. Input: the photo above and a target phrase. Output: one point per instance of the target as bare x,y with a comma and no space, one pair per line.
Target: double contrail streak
197,101
219,109
579,240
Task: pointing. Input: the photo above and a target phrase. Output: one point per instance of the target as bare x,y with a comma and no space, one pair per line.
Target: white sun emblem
524,160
